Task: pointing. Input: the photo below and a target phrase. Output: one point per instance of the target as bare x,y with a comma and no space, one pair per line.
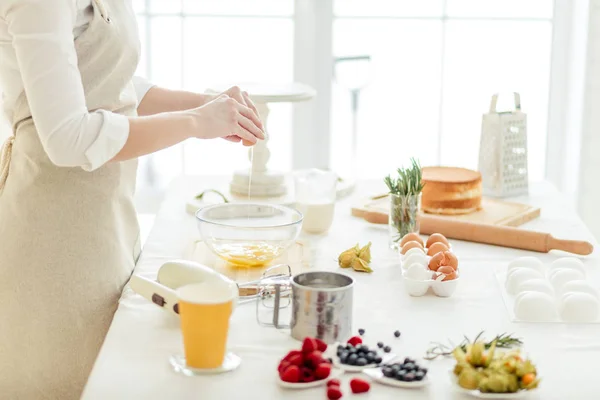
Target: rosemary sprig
502,341
409,181
201,195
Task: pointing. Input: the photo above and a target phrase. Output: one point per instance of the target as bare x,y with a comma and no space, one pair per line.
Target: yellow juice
248,254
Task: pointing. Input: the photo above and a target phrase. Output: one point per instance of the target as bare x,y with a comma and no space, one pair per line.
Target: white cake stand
265,183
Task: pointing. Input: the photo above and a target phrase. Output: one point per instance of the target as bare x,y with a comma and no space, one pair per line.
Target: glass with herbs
405,198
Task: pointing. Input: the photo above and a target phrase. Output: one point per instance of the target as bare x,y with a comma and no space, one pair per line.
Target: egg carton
560,292
420,287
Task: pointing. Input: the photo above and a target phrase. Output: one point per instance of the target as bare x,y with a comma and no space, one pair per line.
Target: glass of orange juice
205,309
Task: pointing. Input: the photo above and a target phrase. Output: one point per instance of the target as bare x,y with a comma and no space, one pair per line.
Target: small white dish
179,365
445,288
416,288
521,394
563,275
335,373
579,307
579,286
526,262
535,307
567,262
518,275
535,285
377,375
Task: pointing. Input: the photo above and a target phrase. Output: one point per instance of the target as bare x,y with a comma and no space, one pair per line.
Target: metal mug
322,306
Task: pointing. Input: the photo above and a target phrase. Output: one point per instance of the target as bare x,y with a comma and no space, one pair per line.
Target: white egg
535,307
418,272
414,250
519,275
579,307
526,262
564,275
535,285
415,259
579,286
566,262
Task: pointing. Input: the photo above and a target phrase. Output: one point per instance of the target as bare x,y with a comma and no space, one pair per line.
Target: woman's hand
228,118
241,97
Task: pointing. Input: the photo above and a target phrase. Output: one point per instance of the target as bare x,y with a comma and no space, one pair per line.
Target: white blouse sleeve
141,87
42,37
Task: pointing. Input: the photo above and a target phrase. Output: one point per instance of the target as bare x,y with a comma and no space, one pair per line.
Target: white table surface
133,362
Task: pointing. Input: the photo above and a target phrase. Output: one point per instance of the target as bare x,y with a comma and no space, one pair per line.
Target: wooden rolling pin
504,236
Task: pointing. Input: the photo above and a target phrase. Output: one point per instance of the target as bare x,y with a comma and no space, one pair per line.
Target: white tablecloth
133,362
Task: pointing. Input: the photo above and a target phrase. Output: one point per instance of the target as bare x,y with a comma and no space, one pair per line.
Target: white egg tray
564,291
418,287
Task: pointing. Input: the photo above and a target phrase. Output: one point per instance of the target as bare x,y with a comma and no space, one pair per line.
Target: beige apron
68,238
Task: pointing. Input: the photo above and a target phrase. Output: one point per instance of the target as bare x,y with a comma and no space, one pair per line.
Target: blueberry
378,360
388,372
397,333
352,359
371,357
423,370
408,360
409,377
352,350
396,367
361,332
380,345
341,347
344,358
410,367
361,362
387,349
364,348
419,376
400,375
349,346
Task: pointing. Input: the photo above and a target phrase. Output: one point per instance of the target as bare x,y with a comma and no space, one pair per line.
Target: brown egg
443,258
448,271
409,237
436,248
435,238
411,245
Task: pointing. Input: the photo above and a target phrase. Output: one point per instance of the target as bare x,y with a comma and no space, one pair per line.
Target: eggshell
579,286
415,250
566,262
519,276
578,307
443,258
411,245
526,262
415,259
437,238
410,237
446,272
418,272
535,285
535,307
564,275
436,248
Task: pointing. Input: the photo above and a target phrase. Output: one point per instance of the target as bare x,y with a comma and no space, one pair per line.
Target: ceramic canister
322,306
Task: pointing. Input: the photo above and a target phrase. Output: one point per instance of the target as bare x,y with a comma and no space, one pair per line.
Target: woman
68,229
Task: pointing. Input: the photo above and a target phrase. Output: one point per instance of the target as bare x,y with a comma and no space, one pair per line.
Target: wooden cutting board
493,212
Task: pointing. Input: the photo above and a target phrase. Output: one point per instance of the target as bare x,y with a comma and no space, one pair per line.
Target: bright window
434,66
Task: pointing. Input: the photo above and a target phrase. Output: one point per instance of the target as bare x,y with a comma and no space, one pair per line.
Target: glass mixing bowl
248,234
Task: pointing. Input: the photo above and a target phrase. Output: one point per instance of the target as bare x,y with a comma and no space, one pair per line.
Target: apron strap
5,157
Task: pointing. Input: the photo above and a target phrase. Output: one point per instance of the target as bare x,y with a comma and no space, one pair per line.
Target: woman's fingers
250,104
249,115
233,138
250,127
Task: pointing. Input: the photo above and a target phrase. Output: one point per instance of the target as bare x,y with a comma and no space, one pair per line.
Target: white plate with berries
307,367
408,374
354,356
